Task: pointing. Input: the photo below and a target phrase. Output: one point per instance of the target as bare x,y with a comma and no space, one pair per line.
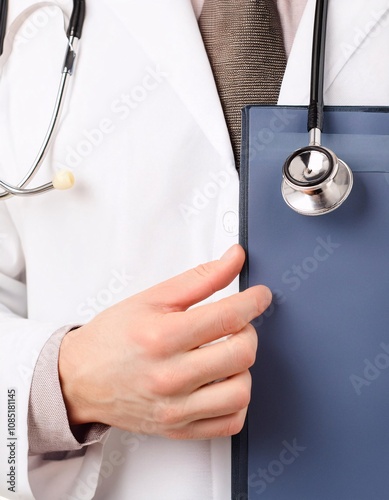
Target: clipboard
318,422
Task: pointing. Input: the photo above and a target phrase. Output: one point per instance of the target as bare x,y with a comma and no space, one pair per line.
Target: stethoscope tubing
3,22
77,19
315,177
74,33
19,189
316,105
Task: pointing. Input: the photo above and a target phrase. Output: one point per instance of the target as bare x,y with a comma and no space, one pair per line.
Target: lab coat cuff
49,430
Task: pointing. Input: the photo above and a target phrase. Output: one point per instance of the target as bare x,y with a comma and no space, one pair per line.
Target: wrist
70,378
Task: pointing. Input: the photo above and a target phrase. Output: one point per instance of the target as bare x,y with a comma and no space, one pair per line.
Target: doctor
156,194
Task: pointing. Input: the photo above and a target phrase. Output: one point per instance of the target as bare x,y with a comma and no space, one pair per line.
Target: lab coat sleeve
21,341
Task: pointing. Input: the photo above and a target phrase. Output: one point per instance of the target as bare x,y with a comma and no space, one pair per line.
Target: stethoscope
63,179
315,180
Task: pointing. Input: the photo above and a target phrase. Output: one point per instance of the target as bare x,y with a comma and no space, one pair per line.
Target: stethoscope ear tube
3,22
77,19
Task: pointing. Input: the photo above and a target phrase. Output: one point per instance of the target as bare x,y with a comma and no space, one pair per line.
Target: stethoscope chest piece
315,181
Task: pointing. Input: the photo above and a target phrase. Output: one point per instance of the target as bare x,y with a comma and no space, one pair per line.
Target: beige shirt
290,14
49,429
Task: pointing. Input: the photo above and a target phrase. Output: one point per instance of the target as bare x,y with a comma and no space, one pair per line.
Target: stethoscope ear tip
63,179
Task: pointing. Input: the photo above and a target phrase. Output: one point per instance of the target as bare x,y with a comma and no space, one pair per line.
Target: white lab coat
156,194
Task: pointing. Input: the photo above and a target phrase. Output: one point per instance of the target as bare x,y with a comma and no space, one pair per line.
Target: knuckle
162,383
205,369
156,339
205,273
248,355
175,435
202,270
180,433
243,397
236,423
229,320
150,342
243,352
167,415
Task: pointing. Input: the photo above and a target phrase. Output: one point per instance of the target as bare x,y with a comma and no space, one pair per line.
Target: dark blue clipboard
318,423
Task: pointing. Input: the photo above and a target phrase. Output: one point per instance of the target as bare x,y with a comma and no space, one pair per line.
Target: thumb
199,283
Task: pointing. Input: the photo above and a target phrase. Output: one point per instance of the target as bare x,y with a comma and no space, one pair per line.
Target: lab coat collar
349,27
174,41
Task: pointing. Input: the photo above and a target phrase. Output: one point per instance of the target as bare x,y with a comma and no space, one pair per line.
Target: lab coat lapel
349,27
174,41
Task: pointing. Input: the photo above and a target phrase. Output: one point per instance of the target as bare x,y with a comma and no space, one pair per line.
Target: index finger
211,322
186,289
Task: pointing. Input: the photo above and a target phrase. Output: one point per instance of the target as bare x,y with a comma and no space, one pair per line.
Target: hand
138,365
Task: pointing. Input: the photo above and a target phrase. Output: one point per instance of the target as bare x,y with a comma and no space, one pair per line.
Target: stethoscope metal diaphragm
315,181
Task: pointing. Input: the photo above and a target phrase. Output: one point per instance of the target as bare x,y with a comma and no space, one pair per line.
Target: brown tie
245,46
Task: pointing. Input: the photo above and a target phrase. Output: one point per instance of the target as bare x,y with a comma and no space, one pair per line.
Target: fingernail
229,255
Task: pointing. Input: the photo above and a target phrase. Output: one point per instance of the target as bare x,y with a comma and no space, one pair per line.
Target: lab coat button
231,222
